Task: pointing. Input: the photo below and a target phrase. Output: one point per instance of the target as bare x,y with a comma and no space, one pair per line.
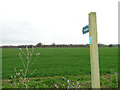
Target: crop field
61,62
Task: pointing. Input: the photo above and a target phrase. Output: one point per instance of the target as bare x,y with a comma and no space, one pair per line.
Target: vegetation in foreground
65,62
106,81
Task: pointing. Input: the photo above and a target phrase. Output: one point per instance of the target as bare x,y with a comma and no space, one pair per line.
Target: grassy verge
106,81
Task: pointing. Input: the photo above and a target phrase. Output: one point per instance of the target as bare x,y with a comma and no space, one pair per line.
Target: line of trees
59,45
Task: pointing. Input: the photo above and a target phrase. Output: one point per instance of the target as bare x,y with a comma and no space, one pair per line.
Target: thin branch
22,60
31,53
25,54
34,61
32,49
33,72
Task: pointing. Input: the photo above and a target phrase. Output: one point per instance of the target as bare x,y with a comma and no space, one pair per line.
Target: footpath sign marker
95,77
85,29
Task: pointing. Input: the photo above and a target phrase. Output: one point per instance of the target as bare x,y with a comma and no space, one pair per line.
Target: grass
106,81
59,62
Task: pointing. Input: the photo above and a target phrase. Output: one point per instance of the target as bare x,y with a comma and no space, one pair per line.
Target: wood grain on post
94,51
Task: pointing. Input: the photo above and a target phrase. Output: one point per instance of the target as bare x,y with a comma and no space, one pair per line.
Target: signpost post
94,51
92,29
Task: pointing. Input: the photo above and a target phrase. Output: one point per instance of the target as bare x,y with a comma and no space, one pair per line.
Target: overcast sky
56,21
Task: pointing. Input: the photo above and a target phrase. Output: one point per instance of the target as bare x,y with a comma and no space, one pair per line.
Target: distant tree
39,45
118,45
53,44
100,45
29,46
110,45
87,45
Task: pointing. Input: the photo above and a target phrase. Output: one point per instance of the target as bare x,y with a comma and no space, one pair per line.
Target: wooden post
119,43
0,68
94,50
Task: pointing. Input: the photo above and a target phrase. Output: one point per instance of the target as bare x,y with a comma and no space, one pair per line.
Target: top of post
92,13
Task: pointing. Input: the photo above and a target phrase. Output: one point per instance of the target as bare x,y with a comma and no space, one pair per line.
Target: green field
61,62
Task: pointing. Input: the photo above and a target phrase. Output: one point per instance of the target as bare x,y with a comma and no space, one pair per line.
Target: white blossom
77,83
38,53
21,70
67,81
11,76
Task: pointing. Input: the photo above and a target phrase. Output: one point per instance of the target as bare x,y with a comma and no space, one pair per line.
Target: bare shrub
21,79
